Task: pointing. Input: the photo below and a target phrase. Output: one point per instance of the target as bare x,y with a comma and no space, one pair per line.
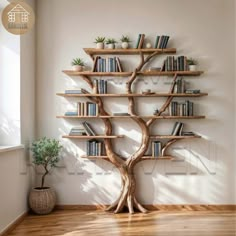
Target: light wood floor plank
158,223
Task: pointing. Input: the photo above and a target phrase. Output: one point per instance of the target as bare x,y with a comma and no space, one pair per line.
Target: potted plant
77,64
192,64
125,42
45,154
111,43
100,42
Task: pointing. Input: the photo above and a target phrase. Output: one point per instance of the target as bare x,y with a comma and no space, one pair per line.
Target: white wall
16,175
200,29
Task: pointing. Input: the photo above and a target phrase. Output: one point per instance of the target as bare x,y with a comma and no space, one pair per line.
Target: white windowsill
11,148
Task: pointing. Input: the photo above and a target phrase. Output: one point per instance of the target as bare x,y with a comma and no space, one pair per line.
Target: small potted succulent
111,43
125,42
192,64
42,199
77,64
100,42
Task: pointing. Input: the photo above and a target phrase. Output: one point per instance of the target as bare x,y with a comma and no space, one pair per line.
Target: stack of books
175,64
121,114
100,86
179,86
71,113
77,131
140,41
161,41
87,109
76,91
156,148
188,133
181,109
95,148
108,64
177,129
192,91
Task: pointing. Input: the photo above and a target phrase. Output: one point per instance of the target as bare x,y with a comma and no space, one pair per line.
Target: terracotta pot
100,45
42,200
77,68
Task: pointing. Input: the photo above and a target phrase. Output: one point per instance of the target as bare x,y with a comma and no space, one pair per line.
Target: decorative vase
77,68
100,45
192,67
42,200
111,45
125,45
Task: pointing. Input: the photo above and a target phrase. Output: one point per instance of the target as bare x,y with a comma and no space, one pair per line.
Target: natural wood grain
135,95
144,117
143,158
127,74
93,137
129,51
184,220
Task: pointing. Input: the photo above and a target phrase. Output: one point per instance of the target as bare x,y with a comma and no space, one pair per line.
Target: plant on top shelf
77,64
192,64
111,43
45,154
100,42
125,42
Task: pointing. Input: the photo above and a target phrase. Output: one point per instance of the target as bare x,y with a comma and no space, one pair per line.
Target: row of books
177,129
181,109
95,148
100,86
87,109
179,86
175,64
84,129
161,41
108,64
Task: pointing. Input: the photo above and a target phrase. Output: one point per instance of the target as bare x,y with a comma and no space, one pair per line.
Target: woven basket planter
42,200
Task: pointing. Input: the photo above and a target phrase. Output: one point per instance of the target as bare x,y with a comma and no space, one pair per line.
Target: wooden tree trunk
126,166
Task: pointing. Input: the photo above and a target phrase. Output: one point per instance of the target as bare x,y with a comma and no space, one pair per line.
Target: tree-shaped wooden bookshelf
126,166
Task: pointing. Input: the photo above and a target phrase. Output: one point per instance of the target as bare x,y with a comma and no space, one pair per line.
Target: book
157,41
73,91
156,148
141,41
192,91
177,129
121,114
88,129
71,113
138,41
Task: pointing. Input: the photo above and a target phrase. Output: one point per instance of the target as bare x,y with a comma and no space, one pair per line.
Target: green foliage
100,40
192,61
77,62
125,39
45,154
110,41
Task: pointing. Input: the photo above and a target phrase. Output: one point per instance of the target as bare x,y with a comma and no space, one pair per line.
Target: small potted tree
125,42
100,42
77,64
111,43
42,199
192,64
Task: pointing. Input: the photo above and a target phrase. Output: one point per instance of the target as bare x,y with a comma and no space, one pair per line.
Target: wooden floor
158,223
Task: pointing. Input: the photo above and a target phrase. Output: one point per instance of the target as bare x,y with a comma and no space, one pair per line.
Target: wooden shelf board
135,95
127,74
173,137
93,137
143,158
129,51
145,117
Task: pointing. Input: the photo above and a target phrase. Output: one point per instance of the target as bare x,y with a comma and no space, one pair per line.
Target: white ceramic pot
148,45
125,45
100,45
77,68
111,46
192,67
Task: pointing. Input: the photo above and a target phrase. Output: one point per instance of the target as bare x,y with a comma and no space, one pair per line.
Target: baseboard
184,207
14,224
